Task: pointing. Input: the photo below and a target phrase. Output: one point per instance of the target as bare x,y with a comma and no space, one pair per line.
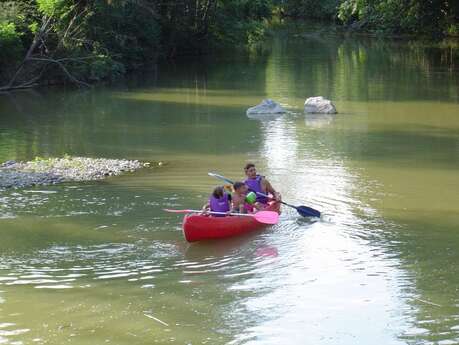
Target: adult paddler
259,184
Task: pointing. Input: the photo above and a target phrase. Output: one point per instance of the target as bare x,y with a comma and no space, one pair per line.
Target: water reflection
318,120
219,248
265,117
109,266
425,320
324,273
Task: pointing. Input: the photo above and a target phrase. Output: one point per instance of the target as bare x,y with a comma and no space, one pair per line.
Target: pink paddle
265,217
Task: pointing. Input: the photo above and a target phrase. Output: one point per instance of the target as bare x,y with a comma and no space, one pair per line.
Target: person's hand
277,197
257,206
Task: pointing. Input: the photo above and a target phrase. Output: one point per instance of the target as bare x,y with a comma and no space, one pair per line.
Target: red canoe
197,227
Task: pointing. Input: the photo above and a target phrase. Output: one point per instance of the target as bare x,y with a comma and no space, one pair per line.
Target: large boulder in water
267,106
319,105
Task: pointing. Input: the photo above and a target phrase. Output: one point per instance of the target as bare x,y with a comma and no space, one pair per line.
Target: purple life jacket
254,185
219,205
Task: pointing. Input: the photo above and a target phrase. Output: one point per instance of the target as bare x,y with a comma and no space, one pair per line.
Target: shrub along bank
84,41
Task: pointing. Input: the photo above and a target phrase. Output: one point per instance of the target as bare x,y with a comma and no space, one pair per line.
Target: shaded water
99,262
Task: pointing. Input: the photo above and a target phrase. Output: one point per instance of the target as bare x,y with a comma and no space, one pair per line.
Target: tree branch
37,39
61,65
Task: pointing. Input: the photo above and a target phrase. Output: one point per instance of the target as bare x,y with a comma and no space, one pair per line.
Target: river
100,262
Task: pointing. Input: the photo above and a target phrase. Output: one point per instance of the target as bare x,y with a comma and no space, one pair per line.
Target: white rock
319,105
267,106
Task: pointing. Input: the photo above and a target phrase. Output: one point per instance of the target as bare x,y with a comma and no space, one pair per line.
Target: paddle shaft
265,217
283,202
210,212
231,213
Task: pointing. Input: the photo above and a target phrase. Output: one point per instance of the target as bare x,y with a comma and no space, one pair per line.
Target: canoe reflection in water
267,251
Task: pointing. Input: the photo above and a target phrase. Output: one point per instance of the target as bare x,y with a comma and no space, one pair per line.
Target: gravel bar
56,170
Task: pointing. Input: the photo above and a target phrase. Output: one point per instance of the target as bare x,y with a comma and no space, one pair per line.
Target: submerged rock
55,170
319,105
267,106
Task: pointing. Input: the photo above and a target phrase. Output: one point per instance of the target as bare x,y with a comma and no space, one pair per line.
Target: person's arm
270,190
235,205
206,208
230,205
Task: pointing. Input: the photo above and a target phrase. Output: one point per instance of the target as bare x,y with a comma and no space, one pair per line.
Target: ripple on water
60,201
65,267
284,271
6,333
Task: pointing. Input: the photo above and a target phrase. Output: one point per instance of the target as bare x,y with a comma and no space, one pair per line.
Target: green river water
100,262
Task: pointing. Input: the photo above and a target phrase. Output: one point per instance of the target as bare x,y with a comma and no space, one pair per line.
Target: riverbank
48,171
128,37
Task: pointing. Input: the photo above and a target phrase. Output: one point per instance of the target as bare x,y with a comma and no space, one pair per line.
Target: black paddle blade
307,211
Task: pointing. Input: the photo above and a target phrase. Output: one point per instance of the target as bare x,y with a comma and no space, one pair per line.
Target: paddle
305,211
265,217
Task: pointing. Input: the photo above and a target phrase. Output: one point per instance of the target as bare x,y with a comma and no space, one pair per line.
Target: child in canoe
243,202
219,201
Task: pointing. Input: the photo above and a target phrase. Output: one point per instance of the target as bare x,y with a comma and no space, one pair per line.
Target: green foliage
50,7
433,17
8,10
240,21
104,67
123,32
255,33
8,34
313,9
101,39
453,30
39,159
33,27
10,43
